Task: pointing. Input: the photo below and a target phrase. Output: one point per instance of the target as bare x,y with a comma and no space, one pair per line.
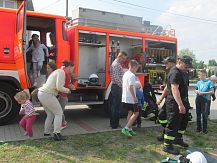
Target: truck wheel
9,108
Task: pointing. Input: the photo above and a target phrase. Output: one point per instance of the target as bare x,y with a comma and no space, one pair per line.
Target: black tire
9,108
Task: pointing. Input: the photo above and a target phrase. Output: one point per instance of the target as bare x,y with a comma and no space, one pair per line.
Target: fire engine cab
90,46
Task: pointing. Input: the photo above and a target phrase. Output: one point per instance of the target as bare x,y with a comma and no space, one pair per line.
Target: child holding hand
28,112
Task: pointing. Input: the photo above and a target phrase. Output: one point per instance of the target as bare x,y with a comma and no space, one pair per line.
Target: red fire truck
91,49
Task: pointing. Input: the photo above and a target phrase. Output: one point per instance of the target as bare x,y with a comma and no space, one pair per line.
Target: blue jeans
201,109
116,93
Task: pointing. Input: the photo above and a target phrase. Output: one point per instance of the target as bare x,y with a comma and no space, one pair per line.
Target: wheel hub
5,104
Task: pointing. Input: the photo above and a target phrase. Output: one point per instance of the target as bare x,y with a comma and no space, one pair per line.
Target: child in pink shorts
28,112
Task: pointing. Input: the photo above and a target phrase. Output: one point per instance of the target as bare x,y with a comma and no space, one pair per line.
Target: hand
162,87
158,102
197,92
51,54
21,112
182,109
135,100
26,116
200,93
71,87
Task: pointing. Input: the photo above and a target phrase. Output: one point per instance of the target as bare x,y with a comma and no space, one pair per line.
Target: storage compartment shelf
154,65
91,44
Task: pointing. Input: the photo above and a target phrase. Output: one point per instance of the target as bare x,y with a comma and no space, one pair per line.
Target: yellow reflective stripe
166,144
163,121
169,137
181,132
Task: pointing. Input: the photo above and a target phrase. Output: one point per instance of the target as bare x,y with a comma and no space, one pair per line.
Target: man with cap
169,63
177,105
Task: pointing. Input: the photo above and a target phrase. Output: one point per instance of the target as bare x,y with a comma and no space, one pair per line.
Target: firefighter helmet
93,79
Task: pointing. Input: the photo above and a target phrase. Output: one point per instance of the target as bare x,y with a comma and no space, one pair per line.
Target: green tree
187,52
200,65
209,73
212,62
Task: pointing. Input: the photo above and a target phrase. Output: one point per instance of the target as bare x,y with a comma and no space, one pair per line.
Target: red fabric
67,81
125,64
139,57
26,124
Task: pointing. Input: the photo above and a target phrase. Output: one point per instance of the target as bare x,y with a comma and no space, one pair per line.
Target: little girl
28,112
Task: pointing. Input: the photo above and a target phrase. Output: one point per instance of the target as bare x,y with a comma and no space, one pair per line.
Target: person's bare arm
207,93
177,97
164,94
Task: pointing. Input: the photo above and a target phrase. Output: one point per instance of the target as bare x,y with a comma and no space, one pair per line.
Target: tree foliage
212,62
187,52
196,64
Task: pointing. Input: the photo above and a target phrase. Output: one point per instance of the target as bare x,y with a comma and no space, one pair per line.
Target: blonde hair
133,63
22,95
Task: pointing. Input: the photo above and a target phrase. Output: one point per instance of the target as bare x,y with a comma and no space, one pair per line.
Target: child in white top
129,97
28,112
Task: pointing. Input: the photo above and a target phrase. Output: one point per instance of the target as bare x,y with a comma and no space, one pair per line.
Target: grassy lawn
102,147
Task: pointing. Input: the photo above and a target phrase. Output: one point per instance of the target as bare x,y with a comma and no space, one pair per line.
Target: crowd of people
126,91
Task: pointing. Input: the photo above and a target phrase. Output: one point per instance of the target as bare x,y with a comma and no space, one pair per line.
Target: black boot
170,149
58,137
179,141
160,138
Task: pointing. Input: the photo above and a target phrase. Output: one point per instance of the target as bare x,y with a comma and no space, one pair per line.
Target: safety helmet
94,79
196,157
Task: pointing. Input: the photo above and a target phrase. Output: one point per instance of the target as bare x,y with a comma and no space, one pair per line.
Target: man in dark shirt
169,62
177,105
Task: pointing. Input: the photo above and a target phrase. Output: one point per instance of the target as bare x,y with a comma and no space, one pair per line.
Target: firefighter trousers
177,123
162,116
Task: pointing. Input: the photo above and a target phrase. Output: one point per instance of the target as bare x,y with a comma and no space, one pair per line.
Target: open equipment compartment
128,44
92,57
156,52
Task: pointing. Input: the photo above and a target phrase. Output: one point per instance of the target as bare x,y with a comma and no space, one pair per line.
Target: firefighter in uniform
169,63
177,105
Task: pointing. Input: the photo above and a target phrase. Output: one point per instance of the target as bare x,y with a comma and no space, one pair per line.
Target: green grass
101,147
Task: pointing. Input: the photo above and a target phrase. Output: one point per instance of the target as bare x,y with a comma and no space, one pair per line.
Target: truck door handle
6,50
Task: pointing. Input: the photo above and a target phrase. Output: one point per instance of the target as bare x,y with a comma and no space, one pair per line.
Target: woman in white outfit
47,96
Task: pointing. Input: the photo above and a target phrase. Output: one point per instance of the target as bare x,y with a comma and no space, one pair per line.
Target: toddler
28,112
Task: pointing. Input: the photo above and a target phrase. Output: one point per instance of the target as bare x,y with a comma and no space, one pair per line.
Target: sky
195,21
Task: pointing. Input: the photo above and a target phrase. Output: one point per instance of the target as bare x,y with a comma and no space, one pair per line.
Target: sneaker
46,134
171,150
205,131
26,134
126,132
132,133
58,137
138,125
160,138
181,143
